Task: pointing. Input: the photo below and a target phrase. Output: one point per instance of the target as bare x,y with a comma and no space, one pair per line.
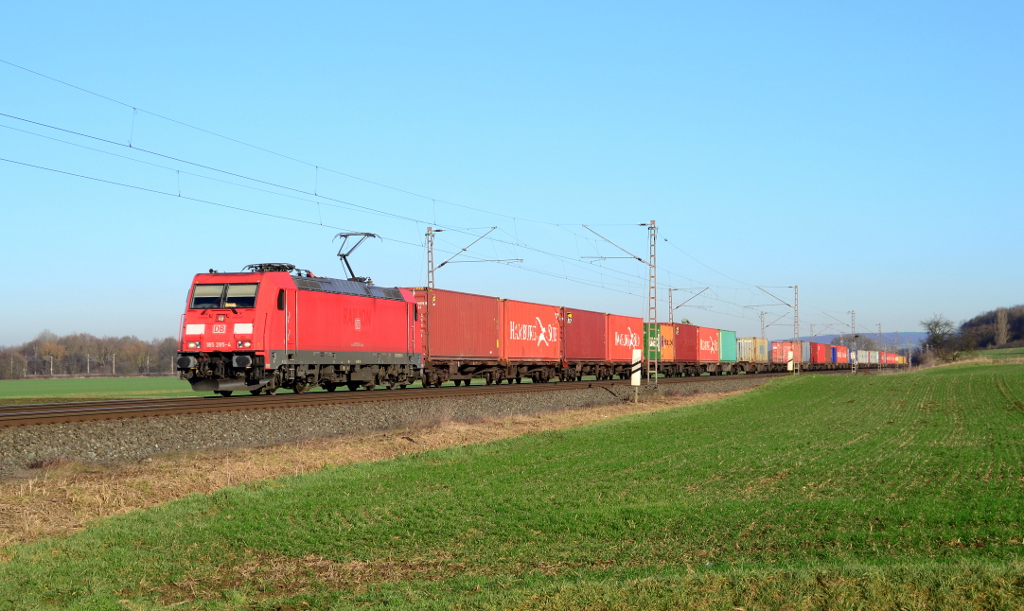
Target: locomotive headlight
194,345
244,344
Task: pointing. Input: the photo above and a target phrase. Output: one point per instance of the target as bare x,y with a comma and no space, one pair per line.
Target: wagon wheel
330,386
353,385
225,393
255,392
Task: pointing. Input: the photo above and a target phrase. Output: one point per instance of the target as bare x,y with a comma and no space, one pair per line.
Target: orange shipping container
668,344
530,331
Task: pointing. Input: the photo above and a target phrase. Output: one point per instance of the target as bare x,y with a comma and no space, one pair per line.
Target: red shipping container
625,334
820,353
530,331
842,354
584,335
459,326
707,350
783,351
687,344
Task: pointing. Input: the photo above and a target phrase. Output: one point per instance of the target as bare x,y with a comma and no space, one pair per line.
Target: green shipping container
652,341
727,346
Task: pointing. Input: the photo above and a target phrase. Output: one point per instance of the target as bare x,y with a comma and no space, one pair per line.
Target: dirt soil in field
61,498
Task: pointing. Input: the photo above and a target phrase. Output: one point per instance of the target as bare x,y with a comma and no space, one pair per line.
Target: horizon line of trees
948,342
998,328
82,354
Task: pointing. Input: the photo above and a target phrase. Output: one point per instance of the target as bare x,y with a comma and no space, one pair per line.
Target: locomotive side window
212,296
207,296
241,296
280,299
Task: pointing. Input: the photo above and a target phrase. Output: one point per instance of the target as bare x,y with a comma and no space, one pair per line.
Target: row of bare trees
84,354
999,328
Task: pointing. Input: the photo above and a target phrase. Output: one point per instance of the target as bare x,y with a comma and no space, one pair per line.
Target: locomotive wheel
271,391
300,387
224,393
255,392
330,387
353,385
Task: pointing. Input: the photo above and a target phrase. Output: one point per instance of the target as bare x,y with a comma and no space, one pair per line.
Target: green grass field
814,492
89,389
1002,353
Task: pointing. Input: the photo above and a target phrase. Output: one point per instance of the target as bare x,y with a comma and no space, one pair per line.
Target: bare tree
1002,328
946,340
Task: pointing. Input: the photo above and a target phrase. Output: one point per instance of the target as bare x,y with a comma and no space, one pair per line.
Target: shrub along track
91,411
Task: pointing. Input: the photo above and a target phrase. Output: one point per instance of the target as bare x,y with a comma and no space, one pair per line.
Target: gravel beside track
134,439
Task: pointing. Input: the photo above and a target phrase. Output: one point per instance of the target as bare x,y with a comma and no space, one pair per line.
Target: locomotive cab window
207,296
240,296
213,296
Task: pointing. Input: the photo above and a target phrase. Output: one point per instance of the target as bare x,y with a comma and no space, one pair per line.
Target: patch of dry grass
61,498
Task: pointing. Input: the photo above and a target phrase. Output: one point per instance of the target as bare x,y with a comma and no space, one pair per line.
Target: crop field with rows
838,492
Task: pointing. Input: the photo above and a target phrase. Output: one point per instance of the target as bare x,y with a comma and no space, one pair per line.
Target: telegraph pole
853,336
796,329
763,336
880,346
652,301
430,257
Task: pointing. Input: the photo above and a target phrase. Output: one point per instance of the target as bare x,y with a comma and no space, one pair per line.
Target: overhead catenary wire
136,109
316,167
280,217
353,205
318,196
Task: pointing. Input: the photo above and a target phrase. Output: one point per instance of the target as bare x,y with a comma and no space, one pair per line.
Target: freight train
274,326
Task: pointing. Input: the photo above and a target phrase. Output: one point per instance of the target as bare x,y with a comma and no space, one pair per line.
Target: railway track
89,411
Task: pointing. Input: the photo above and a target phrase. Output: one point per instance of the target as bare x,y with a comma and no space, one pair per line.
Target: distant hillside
985,328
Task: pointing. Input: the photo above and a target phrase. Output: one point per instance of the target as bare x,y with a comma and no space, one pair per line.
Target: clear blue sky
871,153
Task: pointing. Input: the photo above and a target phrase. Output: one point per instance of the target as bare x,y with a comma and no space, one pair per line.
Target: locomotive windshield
212,296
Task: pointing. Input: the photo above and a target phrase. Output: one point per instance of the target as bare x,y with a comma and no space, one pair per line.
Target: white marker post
634,374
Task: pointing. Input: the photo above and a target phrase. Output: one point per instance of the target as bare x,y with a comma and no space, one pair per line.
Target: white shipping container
752,350
873,355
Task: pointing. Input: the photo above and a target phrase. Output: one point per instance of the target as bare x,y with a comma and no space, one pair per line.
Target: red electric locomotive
274,326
